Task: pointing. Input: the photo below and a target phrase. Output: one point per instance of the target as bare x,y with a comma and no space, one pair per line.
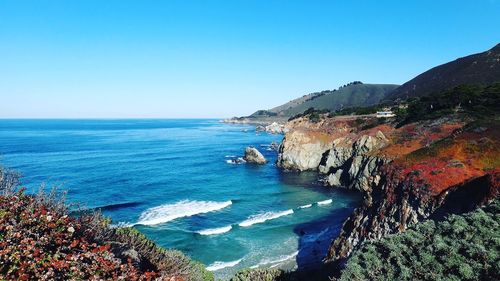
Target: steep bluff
405,174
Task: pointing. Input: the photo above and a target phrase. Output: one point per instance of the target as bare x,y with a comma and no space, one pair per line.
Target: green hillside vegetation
351,96
262,274
482,68
475,101
462,247
354,94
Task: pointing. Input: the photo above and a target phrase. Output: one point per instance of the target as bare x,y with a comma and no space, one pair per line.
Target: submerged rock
260,128
252,155
274,146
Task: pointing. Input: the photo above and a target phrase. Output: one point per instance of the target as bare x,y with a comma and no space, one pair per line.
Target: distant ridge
351,95
481,68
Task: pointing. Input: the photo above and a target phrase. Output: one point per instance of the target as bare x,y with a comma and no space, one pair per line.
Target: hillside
351,95
482,68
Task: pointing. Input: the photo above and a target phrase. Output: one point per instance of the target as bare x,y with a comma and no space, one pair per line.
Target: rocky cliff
405,174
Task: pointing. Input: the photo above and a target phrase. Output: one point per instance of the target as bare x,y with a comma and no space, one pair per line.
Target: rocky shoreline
399,171
268,125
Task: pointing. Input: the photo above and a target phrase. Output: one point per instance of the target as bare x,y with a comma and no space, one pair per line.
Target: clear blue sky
182,58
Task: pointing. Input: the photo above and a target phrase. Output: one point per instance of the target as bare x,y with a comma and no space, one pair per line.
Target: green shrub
172,262
462,247
476,101
265,274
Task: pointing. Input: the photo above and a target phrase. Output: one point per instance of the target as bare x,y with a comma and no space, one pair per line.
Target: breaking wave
220,265
305,206
275,262
325,202
185,208
236,160
260,218
214,231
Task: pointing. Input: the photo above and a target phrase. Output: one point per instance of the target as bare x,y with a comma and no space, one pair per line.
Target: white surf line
215,231
121,225
218,265
325,202
186,208
305,206
277,261
260,218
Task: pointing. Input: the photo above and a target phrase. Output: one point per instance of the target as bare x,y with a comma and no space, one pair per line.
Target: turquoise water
171,180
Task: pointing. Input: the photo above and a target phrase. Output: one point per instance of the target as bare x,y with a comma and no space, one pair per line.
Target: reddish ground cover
39,243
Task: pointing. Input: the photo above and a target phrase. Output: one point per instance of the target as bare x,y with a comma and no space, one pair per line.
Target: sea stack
252,155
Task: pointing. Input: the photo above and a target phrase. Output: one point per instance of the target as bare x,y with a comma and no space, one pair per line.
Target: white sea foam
276,261
185,208
235,161
329,201
220,265
260,218
305,206
214,231
121,225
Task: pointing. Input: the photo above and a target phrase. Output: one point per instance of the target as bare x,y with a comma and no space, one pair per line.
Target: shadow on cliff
468,196
316,236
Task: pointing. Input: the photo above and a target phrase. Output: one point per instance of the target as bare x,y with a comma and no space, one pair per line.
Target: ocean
174,181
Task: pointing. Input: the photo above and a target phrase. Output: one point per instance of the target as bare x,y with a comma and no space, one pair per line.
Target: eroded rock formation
252,155
405,174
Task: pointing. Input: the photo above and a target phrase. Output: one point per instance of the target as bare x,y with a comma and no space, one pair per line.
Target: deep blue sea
171,180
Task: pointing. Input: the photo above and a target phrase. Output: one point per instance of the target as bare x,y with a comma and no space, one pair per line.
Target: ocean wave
325,202
260,218
218,265
275,262
121,225
213,231
234,161
305,206
185,208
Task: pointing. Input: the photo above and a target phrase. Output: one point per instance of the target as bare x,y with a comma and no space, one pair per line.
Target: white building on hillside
385,114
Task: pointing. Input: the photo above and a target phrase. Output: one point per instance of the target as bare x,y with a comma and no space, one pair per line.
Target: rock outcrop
395,204
350,164
300,152
252,155
275,128
399,171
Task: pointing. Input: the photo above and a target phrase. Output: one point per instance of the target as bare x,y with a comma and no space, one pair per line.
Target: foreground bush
264,274
460,248
148,254
40,241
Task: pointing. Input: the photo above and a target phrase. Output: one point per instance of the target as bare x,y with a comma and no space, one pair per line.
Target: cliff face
405,174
